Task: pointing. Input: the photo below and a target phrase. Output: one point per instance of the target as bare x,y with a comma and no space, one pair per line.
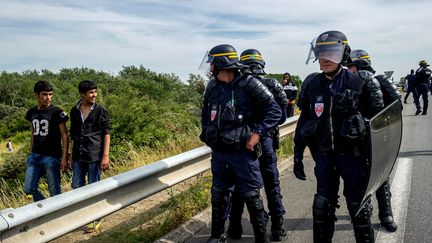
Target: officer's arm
204,110
388,88
374,101
270,112
282,100
299,144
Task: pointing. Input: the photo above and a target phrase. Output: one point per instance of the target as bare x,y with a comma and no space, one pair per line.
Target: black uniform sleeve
267,106
373,99
390,92
304,105
280,98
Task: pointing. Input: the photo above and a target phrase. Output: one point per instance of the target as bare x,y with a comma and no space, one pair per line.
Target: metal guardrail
55,216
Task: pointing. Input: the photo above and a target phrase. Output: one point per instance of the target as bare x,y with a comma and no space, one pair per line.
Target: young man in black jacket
90,136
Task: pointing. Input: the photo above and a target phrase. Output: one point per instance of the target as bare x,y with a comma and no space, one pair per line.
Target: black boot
383,196
219,202
235,229
418,112
258,220
277,210
363,230
278,231
323,219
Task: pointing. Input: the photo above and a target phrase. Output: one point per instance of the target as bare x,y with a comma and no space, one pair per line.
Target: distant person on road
255,64
422,76
90,136
333,106
291,93
410,78
49,143
9,146
361,63
238,111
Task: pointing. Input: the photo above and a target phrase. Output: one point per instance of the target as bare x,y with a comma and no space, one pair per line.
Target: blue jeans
37,166
83,169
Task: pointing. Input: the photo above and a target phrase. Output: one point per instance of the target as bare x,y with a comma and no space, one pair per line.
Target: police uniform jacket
231,111
333,112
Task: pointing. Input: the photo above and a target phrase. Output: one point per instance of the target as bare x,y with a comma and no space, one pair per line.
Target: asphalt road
411,181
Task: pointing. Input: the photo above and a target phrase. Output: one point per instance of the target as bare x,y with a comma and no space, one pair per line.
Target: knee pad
253,200
323,208
219,196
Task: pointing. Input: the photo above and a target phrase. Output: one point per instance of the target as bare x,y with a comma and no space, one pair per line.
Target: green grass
12,170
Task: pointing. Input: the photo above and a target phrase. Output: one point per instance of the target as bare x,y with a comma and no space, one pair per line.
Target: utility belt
233,138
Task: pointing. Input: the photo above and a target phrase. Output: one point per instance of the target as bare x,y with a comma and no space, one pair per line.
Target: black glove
299,170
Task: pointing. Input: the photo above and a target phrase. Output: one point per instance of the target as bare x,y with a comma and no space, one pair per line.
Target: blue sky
172,36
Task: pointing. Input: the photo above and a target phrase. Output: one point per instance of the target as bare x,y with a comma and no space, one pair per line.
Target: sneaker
418,112
92,227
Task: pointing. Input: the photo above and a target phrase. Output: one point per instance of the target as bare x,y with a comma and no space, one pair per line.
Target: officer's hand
299,170
253,140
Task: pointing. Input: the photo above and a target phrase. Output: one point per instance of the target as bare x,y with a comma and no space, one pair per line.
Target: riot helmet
423,64
253,59
330,45
360,58
222,56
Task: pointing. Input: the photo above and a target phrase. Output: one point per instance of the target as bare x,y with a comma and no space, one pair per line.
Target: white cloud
172,36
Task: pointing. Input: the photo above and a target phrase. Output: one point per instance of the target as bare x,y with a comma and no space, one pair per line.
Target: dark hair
86,85
412,71
42,85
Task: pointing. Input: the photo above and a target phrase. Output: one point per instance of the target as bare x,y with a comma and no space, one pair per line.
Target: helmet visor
205,62
330,50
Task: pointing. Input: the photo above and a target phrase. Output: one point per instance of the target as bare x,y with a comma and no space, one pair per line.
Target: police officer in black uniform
255,64
333,105
361,64
238,110
410,78
422,76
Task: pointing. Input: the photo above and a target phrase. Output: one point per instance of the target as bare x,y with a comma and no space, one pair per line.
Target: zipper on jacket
331,123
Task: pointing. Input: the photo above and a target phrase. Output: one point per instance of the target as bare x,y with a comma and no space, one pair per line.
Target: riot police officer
238,110
255,64
333,105
361,64
410,78
421,84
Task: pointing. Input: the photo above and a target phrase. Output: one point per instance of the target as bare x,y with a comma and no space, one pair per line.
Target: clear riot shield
385,138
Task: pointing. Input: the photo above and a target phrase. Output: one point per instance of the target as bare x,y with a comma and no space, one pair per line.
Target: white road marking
400,190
